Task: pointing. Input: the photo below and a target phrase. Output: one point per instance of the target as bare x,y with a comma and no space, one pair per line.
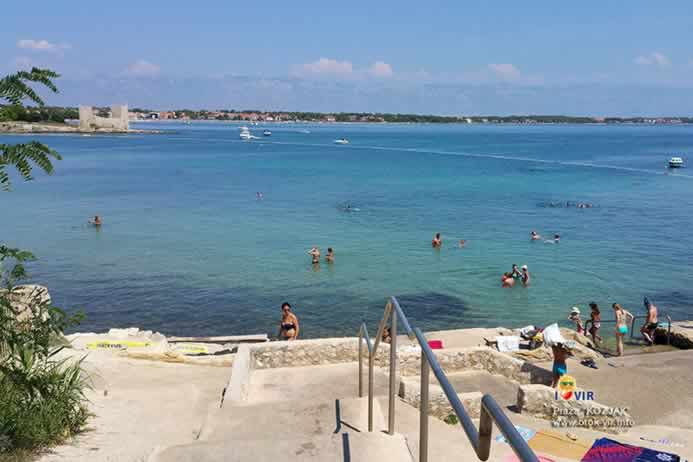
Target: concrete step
501,388
326,382
291,419
340,447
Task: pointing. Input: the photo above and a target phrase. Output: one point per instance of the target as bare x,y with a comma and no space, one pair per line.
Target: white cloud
381,69
42,46
328,66
505,71
143,68
653,59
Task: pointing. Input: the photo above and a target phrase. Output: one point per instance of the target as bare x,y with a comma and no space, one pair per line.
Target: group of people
623,318
315,255
508,279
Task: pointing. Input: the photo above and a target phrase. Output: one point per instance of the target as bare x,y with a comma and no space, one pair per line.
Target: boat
341,141
675,162
245,134
267,133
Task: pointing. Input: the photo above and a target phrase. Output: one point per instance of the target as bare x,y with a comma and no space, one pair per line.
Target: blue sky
617,57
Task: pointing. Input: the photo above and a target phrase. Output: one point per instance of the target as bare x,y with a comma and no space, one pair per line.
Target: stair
302,413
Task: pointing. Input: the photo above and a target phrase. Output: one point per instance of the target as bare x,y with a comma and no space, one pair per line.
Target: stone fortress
89,121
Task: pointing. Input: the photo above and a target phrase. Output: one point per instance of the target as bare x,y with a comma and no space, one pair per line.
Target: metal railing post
370,391
393,375
360,365
423,411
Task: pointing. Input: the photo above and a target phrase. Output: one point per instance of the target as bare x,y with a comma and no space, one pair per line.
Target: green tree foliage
14,89
42,398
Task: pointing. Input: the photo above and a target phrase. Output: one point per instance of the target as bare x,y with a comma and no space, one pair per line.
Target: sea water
188,247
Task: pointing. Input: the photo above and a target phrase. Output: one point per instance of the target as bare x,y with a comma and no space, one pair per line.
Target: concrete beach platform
299,401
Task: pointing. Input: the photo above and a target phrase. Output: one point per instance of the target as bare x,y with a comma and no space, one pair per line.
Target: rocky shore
46,127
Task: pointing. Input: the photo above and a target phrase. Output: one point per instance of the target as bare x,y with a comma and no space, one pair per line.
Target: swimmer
462,242
96,221
259,195
515,272
556,238
525,276
315,254
507,280
437,241
535,236
329,258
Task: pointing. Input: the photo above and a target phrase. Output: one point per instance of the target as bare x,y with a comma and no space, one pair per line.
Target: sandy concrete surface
139,405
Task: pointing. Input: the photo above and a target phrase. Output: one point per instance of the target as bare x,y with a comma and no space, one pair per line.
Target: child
596,317
575,317
560,368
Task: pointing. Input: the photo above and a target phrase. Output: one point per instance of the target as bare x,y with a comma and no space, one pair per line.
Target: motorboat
341,141
675,162
267,133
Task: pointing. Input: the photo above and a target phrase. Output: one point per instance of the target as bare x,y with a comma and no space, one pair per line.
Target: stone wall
438,404
681,335
541,402
90,121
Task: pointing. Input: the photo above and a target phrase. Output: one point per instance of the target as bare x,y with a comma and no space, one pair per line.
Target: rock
681,334
23,297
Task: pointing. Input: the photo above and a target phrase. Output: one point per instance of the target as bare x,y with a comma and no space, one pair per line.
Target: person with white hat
575,317
525,276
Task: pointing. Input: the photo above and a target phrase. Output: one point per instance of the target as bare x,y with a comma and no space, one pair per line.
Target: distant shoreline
22,128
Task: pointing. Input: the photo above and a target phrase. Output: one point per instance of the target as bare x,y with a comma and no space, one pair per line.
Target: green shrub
42,398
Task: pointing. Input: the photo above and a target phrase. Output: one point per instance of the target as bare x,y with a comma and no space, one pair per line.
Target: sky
444,57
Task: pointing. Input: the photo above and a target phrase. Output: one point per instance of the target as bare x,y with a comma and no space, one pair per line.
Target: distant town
61,114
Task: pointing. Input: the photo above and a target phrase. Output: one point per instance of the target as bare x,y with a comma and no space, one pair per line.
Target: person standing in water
96,221
288,326
315,255
525,276
621,326
515,273
535,236
596,318
437,241
648,329
329,258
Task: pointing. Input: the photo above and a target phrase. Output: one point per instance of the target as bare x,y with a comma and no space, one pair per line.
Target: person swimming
535,236
437,241
329,258
96,221
462,242
507,280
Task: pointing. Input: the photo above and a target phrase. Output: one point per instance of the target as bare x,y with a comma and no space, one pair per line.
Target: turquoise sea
188,249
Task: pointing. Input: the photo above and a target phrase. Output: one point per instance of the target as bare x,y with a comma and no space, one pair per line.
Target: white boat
675,162
341,141
267,133
245,134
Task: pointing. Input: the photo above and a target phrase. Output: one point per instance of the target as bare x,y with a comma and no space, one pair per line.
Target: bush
42,398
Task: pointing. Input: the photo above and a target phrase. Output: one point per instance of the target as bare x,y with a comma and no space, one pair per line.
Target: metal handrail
490,410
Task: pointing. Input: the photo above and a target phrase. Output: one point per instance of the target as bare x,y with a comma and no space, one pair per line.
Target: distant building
117,121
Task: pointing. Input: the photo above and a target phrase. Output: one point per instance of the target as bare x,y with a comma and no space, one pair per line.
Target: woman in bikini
621,326
288,327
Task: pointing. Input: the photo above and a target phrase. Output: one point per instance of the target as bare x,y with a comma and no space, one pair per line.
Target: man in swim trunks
648,329
437,241
560,367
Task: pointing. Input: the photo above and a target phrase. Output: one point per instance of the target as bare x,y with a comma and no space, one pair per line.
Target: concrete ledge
438,404
239,383
541,401
681,335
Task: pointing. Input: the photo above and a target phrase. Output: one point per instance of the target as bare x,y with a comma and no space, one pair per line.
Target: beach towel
558,445
552,335
525,433
608,450
508,343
